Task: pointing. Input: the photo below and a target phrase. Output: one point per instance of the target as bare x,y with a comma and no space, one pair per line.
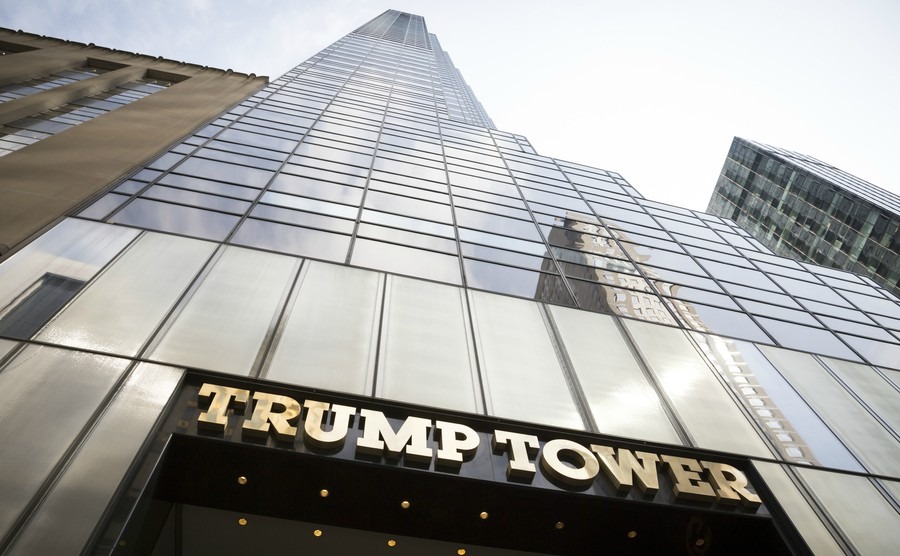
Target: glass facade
803,208
359,226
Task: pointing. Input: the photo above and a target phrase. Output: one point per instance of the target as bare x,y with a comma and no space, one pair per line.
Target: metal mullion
279,320
479,379
579,397
666,402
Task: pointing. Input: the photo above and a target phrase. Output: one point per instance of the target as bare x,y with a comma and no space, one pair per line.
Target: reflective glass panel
301,165
888,322
876,530
574,237
871,332
409,181
644,236
523,229
501,209
414,170
409,239
802,288
877,353
506,257
709,249
806,338
252,161
798,273
257,139
760,295
605,275
223,324
692,294
485,196
311,205
130,187
426,356
330,332
339,156
541,286
301,218
689,230
166,217
708,413
706,318
222,171
792,426
120,310
209,186
292,240
673,278
615,214
325,175
853,285
842,312
893,487
659,257
197,199
405,190
405,260
408,206
621,399
58,378
415,224
518,362
871,304
872,444
620,301
740,275
767,310
77,501
872,388
562,201
103,206
798,509
40,279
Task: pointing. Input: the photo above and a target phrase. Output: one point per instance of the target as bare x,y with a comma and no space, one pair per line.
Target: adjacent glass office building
808,210
351,316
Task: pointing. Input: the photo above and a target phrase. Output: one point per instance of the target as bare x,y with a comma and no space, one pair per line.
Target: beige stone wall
43,182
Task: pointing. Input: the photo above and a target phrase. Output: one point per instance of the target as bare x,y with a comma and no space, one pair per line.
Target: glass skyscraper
806,209
349,315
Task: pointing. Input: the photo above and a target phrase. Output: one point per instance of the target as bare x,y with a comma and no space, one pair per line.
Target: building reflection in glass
599,273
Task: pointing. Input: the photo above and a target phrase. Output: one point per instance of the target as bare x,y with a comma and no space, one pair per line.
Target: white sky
654,90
